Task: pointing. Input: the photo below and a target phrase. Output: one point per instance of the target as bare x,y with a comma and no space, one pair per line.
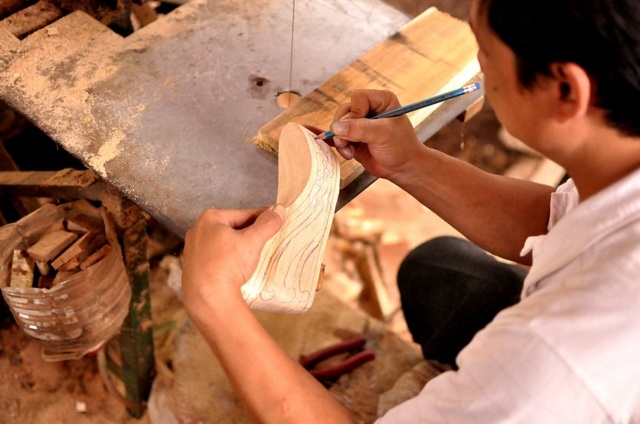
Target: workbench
166,114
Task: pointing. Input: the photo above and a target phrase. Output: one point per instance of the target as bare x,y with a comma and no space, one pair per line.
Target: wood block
290,264
51,244
40,221
79,250
43,267
81,207
6,232
82,216
33,17
22,267
75,227
58,225
84,223
71,266
432,54
96,256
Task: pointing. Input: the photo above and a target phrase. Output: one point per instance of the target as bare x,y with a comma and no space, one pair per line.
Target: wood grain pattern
432,54
290,263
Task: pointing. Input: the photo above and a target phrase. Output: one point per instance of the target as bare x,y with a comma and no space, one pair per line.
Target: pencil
418,105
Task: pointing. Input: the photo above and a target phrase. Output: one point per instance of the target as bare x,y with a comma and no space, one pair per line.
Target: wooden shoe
291,261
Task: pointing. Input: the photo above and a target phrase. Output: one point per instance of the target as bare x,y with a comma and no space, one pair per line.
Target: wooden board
432,54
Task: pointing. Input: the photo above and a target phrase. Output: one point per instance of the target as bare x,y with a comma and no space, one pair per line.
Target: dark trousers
450,289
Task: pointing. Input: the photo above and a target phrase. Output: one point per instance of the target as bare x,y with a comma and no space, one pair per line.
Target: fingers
234,218
342,112
260,224
239,219
368,103
365,130
348,152
349,126
266,225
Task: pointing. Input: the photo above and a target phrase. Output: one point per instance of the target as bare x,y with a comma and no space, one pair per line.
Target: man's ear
574,90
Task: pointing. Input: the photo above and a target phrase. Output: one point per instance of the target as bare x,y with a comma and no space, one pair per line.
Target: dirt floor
35,391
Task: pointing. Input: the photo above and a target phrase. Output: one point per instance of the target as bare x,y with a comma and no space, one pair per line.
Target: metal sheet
166,113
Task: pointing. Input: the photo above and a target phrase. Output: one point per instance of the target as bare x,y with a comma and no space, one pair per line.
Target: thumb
267,224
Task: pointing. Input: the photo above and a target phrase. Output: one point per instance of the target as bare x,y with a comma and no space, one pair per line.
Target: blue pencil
418,105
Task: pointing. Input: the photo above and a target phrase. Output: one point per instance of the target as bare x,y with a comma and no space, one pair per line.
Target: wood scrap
51,244
43,267
80,208
57,225
62,244
84,223
95,257
30,19
79,251
22,269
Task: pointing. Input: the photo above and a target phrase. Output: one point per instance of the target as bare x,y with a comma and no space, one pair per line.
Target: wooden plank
32,18
433,53
82,216
96,256
51,244
47,183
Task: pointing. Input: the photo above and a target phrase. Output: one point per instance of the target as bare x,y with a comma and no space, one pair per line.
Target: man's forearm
493,211
270,384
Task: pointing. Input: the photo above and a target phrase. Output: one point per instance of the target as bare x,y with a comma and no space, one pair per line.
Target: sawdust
35,391
109,150
52,79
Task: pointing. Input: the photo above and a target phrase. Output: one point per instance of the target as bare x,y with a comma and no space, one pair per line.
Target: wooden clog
291,262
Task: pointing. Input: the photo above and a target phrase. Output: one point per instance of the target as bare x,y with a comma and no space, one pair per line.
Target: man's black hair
601,36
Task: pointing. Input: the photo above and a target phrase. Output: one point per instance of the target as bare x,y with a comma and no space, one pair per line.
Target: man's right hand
385,147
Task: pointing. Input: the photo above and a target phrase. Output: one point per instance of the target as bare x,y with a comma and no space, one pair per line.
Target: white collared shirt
569,352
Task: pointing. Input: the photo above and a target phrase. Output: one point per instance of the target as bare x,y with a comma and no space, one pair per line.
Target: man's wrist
217,302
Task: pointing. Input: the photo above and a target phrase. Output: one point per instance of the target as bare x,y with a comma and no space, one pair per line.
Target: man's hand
221,253
383,146
222,250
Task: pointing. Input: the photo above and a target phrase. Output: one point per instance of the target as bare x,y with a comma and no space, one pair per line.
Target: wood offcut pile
71,244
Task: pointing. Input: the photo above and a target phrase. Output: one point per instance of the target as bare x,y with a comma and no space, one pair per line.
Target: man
561,76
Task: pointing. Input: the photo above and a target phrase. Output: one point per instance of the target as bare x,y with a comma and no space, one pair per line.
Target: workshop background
370,236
